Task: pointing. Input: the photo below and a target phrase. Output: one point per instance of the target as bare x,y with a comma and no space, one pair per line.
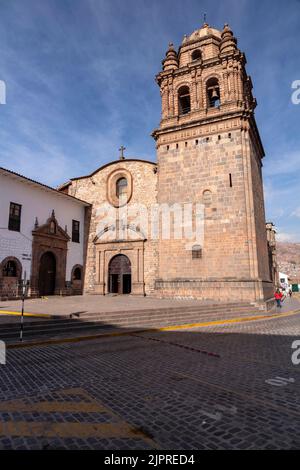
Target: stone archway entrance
10,277
47,274
49,258
119,275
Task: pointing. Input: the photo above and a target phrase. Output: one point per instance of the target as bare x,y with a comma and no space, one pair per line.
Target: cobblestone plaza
231,386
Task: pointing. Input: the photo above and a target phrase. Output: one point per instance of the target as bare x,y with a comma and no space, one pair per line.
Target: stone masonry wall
260,226
185,174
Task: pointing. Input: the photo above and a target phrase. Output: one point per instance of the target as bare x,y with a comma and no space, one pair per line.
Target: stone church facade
209,152
100,188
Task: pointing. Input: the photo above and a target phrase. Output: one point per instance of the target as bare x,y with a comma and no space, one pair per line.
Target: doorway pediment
52,239
51,229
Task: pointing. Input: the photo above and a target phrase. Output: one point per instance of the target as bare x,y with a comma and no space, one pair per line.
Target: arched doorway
119,275
77,279
47,274
10,277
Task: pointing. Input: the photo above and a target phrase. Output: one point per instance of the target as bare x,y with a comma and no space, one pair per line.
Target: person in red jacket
278,297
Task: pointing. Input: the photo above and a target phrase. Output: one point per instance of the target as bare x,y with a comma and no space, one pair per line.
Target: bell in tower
213,93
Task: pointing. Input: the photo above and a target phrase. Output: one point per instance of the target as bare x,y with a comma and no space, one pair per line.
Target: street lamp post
24,289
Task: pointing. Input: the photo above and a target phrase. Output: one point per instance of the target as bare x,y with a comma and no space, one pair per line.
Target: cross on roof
121,149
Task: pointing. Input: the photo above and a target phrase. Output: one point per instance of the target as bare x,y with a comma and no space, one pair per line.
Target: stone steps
60,327
128,316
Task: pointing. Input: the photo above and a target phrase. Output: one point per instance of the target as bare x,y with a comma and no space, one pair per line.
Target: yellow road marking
27,314
70,429
77,339
211,323
45,406
73,339
75,391
118,428
230,320
50,407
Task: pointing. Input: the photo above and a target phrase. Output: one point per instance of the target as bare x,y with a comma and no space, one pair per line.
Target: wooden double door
47,274
119,275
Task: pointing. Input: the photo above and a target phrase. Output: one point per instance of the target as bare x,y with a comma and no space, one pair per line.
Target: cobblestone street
228,386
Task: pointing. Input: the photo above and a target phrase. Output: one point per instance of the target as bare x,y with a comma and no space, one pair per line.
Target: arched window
207,197
213,93
196,55
121,187
196,252
184,100
10,269
77,274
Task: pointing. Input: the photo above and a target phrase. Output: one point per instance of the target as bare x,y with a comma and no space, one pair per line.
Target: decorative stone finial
171,60
228,43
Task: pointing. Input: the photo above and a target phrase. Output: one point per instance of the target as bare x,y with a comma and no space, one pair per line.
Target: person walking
278,297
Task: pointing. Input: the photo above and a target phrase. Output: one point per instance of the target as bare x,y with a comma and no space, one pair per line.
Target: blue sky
80,82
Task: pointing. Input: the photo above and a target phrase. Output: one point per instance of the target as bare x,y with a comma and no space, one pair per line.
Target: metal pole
23,299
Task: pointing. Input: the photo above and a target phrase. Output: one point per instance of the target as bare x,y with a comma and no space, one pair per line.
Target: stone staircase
81,324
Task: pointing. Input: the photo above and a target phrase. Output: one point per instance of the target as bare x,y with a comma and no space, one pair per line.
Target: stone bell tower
210,152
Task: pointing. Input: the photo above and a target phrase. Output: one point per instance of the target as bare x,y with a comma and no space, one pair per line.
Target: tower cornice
199,122
246,122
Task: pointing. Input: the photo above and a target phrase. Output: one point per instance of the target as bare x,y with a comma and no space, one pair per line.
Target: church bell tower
210,152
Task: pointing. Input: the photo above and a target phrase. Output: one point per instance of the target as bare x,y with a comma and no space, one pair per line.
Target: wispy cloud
287,237
296,213
284,163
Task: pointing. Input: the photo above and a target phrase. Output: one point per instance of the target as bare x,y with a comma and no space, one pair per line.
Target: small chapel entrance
47,274
119,275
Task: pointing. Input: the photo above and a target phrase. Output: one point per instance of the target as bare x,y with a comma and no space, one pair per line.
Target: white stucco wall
37,202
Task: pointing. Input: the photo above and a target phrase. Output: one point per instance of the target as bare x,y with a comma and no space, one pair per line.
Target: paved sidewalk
57,305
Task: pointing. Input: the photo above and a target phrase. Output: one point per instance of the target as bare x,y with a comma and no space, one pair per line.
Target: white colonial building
284,280
42,234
